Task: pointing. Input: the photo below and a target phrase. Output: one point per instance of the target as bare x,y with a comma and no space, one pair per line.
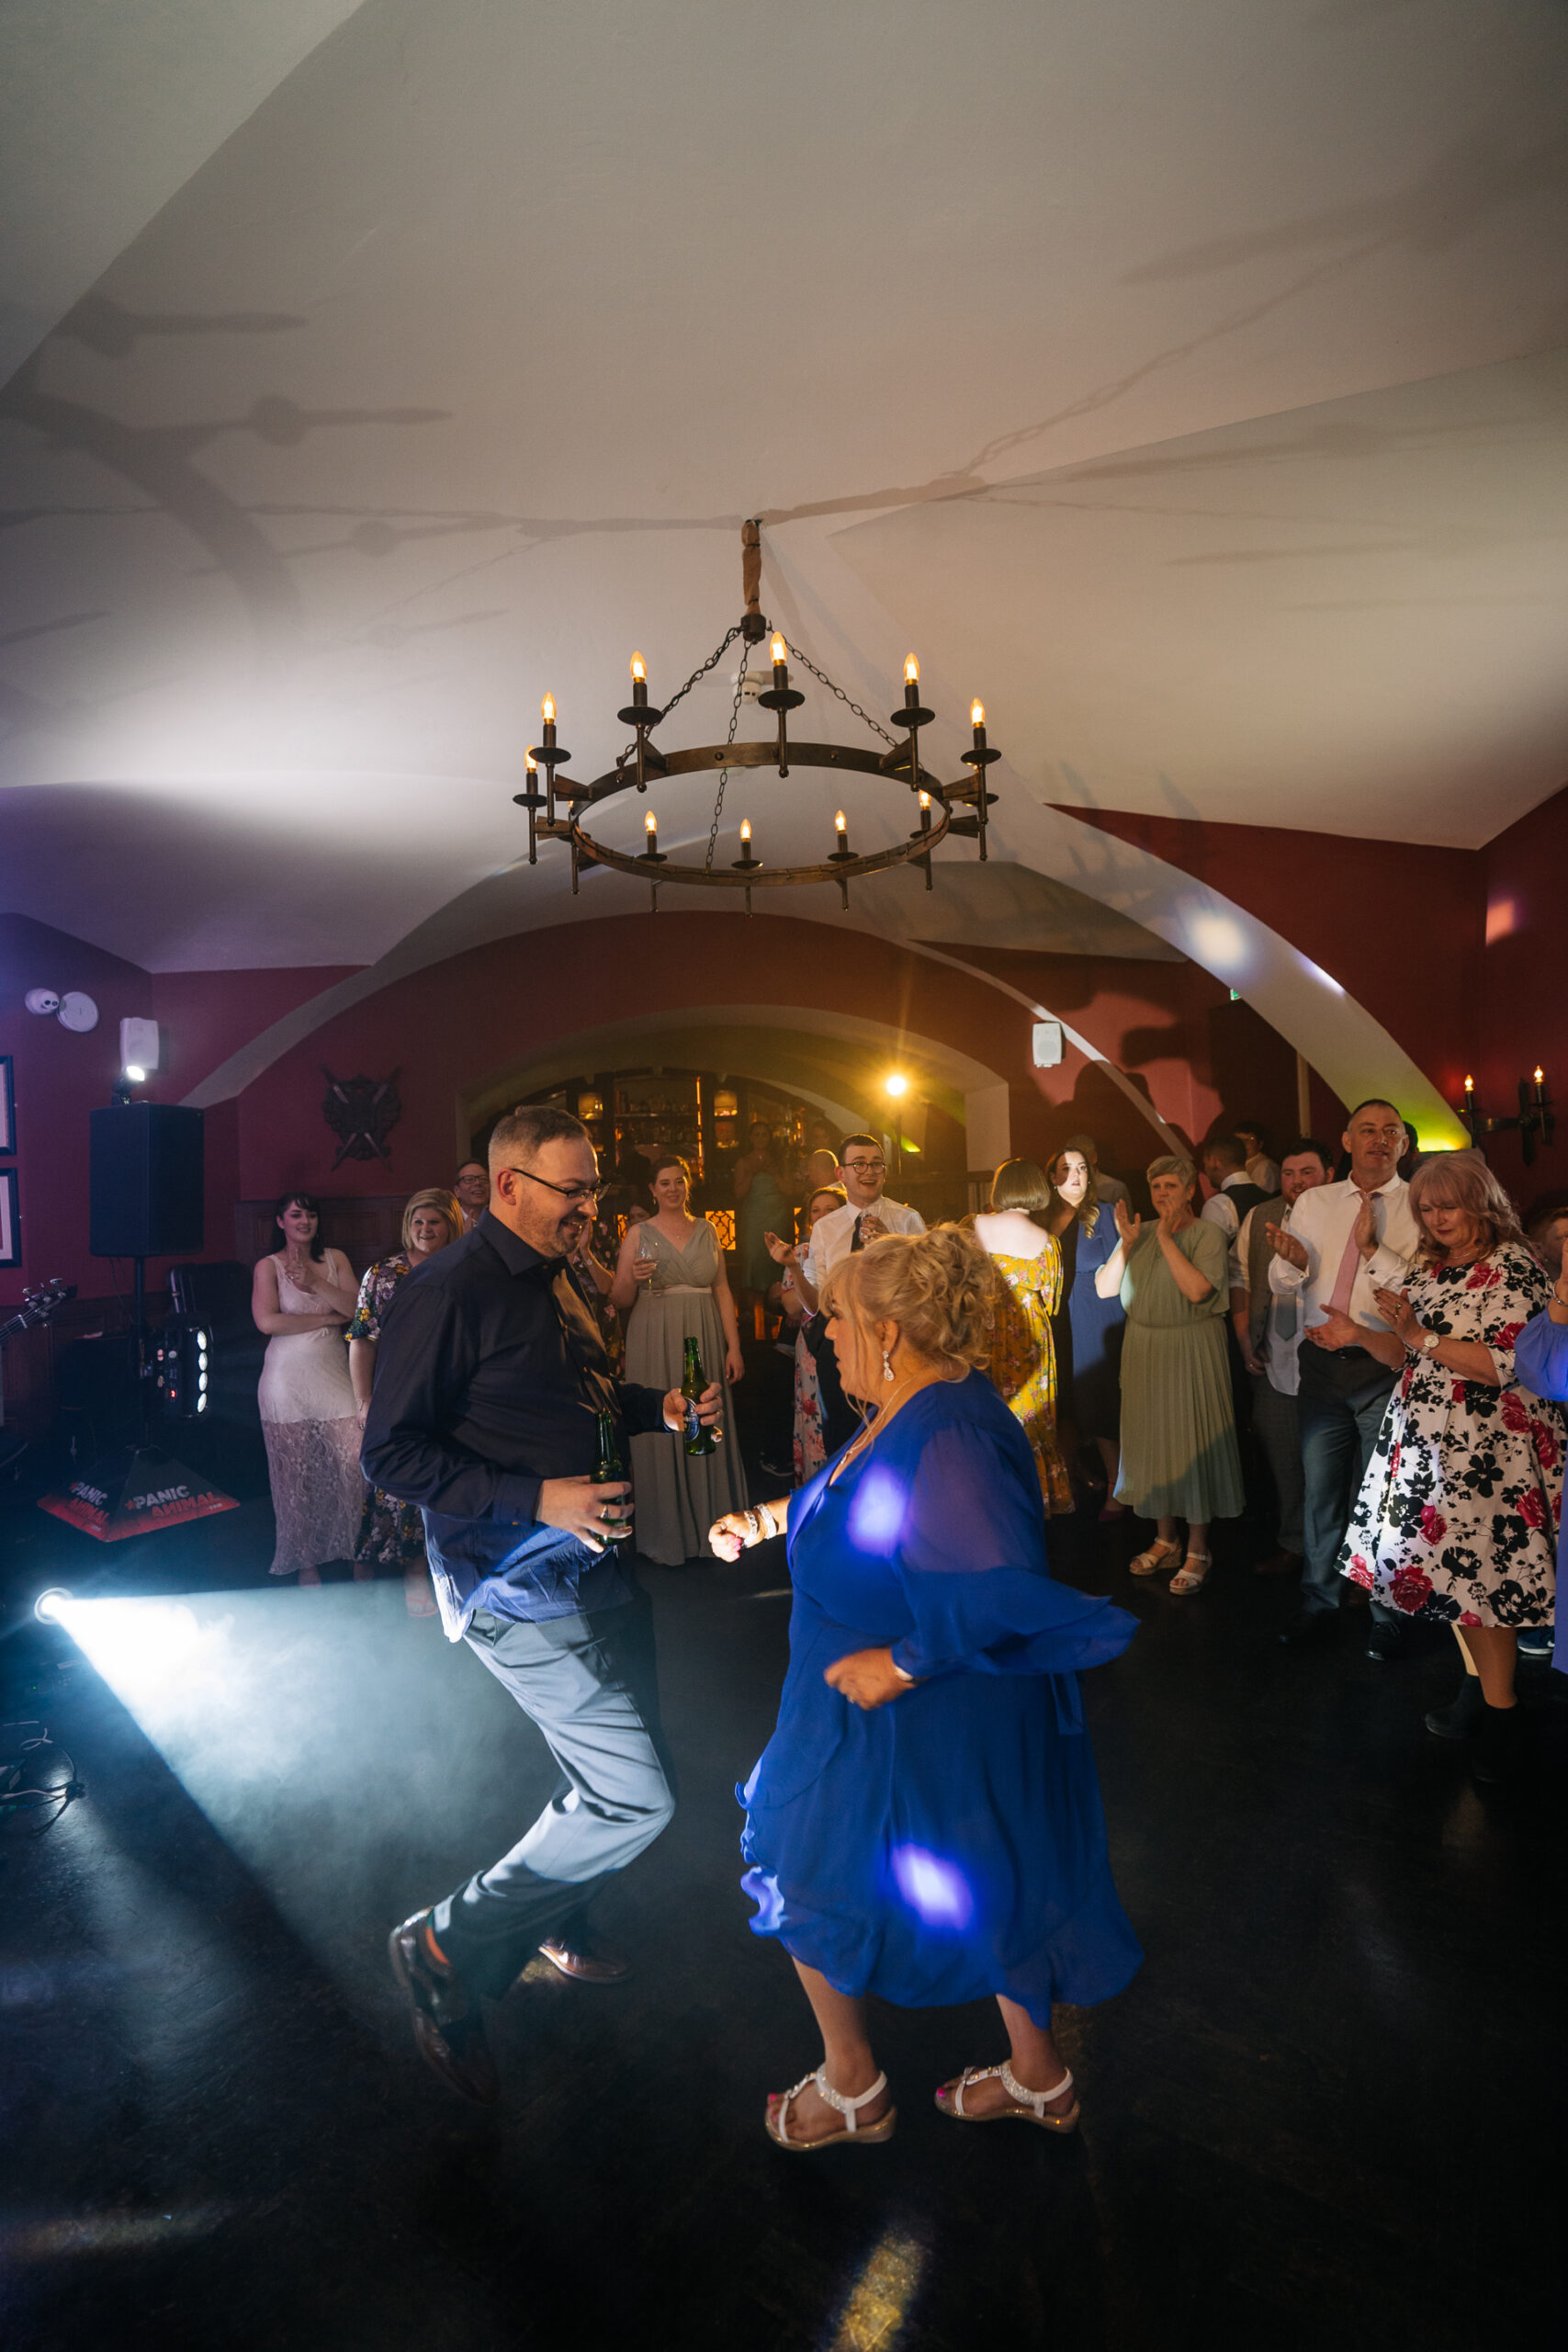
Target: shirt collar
519,1257
1236,1176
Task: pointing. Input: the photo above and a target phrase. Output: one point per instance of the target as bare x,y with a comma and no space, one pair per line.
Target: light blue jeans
590,1683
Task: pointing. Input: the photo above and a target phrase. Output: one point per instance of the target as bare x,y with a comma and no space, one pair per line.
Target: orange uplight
911,670
778,649
640,669
977,714
547,710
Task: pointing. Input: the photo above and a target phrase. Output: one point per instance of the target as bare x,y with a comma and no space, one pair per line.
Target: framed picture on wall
10,1226
7,1106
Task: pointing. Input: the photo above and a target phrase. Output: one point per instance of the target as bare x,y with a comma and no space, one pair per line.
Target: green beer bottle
700,1438
608,1465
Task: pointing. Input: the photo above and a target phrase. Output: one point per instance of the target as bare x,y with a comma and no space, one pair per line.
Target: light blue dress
950,1843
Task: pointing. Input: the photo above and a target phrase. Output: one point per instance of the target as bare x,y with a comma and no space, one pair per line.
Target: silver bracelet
766,1515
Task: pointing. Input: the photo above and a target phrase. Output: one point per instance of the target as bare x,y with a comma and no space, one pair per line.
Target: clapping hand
1365,1231
867,1677
1334,1331
1127,1226
1285,1245
783,1253
1399,1314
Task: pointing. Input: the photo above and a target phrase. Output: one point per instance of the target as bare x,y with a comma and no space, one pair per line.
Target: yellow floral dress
1023,1359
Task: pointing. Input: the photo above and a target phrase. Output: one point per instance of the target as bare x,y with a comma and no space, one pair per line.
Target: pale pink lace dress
312,1427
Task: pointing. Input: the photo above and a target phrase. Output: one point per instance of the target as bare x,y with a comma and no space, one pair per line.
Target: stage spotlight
50,1606
895,1084
137,1075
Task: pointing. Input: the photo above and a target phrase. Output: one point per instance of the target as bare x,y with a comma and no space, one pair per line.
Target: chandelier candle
781,697
700,1438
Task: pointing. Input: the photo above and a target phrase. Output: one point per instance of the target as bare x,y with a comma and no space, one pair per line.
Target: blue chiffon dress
950,1844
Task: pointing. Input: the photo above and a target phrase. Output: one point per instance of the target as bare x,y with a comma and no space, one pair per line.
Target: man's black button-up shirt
489,1371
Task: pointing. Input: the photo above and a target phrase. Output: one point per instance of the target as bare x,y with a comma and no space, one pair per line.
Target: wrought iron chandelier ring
944,809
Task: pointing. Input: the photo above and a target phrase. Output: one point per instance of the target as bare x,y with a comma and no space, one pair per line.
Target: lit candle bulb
745,833
1470,1085
531,763
640,696
651,826
842,826
778,650
640,669
925,802
911,670
547,710
1540,1083
977,714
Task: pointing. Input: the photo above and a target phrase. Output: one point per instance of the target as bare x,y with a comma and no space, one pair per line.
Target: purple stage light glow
876,1514
933,1889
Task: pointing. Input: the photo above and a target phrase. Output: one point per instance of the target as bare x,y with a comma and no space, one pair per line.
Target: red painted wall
1523,994
449,1027
60,1077
1399,926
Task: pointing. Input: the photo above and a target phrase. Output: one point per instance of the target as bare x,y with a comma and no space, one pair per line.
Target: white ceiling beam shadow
105,113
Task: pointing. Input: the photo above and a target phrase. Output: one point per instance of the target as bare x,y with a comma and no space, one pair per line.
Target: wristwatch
1429,1343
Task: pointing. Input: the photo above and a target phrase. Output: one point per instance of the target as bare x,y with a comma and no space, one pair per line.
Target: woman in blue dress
925,1823
1087,1231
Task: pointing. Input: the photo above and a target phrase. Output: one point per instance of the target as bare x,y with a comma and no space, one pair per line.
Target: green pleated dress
1179,1449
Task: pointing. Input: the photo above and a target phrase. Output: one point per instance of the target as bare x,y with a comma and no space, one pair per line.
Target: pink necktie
1345,1281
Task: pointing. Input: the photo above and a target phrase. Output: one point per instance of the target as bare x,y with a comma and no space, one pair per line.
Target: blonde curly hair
935,1286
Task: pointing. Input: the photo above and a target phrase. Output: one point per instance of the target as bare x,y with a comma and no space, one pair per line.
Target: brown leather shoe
449,2028
581,1967
1279,1564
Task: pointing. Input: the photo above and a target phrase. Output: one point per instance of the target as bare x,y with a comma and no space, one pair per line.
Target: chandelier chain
717,656
724,772
824,679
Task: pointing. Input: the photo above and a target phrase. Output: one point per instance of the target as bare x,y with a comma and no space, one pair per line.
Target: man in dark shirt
489,1382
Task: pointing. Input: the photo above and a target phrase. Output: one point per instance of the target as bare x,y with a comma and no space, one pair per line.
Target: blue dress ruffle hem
950,1844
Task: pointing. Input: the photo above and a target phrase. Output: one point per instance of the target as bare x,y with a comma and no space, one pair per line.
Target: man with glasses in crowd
489,1383
472,1189
865,1215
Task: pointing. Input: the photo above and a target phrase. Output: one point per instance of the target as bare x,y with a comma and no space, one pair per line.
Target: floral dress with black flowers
391,1534
1457,1514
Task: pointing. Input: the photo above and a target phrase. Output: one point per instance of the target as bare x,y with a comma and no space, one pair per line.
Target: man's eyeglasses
581,1196
867,1167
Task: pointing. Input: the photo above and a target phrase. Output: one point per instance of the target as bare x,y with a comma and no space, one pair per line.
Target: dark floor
1327,2112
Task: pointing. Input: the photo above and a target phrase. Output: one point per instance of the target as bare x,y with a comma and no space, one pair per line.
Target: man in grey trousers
489,1382
1266,1329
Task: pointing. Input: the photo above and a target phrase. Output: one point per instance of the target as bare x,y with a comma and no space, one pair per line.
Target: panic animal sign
136,1492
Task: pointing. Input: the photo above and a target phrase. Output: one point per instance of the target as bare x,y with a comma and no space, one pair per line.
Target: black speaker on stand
145,1172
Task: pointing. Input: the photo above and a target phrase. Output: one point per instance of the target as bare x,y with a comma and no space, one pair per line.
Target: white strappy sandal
870,2135
1029,2106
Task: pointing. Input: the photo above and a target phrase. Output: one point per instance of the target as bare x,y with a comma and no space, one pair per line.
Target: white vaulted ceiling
1186,377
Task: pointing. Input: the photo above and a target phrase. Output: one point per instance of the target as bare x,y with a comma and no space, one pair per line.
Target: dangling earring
887,1365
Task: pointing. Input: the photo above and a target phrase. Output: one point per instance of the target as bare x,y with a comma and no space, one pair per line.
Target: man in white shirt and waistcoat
1267,1331
1345,1241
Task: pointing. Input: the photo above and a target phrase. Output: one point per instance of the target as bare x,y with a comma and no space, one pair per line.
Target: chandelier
560,810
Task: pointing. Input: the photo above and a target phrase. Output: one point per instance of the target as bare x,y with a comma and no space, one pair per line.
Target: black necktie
856,1242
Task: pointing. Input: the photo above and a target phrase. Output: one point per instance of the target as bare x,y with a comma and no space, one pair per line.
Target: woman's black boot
1460,1716
1498,1750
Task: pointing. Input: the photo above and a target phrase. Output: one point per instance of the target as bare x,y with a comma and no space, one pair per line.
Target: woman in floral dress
1027,1261
391,1534
1457,1514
